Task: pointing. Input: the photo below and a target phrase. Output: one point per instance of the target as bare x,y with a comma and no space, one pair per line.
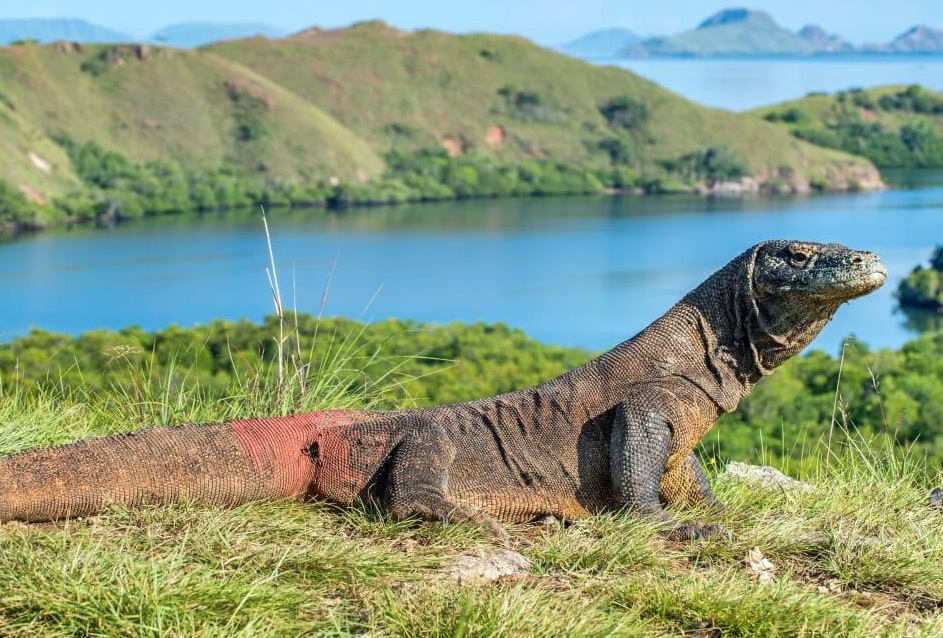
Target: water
587,271
740,84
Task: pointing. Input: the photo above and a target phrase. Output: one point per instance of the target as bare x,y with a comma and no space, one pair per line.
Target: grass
856,555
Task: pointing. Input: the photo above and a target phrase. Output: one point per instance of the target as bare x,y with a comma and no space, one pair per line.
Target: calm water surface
582,271
744,84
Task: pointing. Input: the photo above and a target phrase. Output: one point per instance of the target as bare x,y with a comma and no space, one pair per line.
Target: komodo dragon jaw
617,433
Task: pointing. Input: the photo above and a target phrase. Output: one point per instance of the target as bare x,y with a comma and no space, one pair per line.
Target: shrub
625,112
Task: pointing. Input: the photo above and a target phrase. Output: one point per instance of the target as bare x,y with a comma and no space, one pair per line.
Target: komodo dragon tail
218,464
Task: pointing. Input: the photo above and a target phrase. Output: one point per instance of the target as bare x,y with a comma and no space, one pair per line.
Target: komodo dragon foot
696,530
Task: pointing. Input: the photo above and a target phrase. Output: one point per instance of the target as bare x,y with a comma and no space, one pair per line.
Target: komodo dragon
617,432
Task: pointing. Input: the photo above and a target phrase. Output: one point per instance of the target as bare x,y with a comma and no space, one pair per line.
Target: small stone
936,497
763,476
759,566
486,565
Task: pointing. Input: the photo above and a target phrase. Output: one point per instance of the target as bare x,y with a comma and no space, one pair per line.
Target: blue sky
547,21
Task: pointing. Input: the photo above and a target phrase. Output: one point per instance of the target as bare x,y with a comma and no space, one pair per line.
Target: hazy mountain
604,43
53,29
188,35
751,32
736,15
918,39
735,32
823,41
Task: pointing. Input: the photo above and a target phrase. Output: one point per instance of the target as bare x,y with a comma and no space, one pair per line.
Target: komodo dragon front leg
684,482
651,457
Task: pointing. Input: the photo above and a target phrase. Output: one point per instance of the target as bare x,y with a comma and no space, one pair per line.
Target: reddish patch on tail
278,449
315,454
346,455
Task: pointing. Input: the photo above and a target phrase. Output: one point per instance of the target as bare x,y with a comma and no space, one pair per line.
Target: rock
39,162
759,566
936,497
486,565
744,186
763,476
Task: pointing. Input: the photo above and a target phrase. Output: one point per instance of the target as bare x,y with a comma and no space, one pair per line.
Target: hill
189,35
734,32
151,104
918,39
602,44
893,126
507,98
741,32
824,42
54,29
367,114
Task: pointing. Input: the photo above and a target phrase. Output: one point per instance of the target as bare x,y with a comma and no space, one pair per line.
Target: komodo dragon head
818,275
795,289
766,306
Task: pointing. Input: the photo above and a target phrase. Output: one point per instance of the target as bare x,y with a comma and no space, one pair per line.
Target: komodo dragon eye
798,258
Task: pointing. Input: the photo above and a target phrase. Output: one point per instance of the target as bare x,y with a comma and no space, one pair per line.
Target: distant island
185,35
189,35
43,30
742,32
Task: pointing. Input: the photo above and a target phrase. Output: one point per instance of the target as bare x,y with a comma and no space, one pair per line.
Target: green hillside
29,158
367,114
509,98
195,108
893,126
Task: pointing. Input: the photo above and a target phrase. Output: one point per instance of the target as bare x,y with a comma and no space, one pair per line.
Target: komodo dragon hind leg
418,478
639,451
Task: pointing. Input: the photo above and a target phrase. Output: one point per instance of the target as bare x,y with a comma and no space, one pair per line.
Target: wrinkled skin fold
617,433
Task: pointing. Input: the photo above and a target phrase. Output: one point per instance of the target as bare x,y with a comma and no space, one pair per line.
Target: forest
117,189
923,287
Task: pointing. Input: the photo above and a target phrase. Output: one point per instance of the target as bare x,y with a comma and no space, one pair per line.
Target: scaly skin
616,433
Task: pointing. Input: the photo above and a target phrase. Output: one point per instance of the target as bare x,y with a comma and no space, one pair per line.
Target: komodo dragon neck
716,337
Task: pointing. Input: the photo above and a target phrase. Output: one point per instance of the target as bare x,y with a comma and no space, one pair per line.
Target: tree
625,112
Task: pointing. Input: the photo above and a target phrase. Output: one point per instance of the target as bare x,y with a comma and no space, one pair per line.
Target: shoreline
747,187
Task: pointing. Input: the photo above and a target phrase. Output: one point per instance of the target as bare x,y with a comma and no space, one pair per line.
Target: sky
546,21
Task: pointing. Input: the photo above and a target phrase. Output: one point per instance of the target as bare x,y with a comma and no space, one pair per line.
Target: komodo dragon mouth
616,434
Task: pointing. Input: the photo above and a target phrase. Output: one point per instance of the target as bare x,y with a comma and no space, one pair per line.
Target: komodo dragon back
617,433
